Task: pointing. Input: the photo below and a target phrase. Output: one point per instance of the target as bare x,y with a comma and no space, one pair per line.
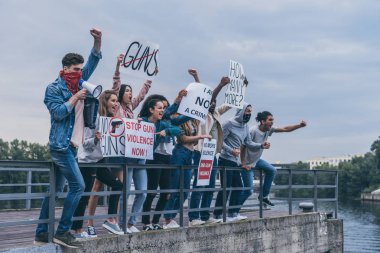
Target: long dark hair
121,92
150,104
151,97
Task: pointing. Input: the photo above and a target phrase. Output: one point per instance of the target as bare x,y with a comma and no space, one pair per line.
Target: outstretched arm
289,128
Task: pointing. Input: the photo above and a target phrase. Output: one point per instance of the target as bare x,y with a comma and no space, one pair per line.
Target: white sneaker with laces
241,217
213,221
171,224
133,229
196,222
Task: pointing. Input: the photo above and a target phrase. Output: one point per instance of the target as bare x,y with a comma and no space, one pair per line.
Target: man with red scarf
64,99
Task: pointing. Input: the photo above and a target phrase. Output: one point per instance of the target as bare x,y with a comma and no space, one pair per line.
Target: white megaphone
93,89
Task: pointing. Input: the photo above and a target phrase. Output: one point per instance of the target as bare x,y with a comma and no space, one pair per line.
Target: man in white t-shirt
251,157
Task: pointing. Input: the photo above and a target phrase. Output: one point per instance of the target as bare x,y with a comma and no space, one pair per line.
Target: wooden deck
23,236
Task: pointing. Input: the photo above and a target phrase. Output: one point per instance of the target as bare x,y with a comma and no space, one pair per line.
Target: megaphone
93,89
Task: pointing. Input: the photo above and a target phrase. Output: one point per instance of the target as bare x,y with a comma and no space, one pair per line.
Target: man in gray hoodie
235,134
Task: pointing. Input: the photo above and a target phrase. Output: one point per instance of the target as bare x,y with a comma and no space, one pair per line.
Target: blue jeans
67,168
270,173
233,179
203,198
181,156
247,177
140,181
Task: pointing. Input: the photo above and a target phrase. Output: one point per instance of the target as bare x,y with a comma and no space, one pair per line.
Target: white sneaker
196,222
241,217
231,219
133,229
82,236
128,231
171,224
213,221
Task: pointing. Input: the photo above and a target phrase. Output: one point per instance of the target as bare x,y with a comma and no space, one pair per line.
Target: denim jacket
62,114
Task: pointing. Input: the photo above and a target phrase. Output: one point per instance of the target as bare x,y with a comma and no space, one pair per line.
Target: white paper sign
140,59
139,139
235,90
197,101
113,138
205,164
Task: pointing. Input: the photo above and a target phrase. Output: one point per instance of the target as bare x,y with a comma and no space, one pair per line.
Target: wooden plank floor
23,236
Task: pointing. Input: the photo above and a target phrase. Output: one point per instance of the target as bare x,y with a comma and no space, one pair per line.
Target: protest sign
197,101
140,59
235,90
113,139
139,139
205,164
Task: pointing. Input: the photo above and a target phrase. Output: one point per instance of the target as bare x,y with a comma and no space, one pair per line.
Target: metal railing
30,167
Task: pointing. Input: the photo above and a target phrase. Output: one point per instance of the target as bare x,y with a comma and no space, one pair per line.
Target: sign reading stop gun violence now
140,59
139,139
235,90
205,164
126,137
197,101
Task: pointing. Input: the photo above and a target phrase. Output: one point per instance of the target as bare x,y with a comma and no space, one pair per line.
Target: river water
361,225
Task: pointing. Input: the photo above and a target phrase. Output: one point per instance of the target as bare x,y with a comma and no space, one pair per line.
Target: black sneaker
157,227
266,201
148,227
66,239
41,238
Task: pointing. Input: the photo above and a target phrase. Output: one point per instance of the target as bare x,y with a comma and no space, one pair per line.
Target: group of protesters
75,137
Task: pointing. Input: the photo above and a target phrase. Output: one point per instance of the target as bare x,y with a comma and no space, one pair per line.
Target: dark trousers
157,177
233,179
108,177
88,177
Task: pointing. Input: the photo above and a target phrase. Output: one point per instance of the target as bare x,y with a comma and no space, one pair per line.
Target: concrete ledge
309,232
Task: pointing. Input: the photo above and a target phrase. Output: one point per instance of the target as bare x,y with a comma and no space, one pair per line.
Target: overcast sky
312,60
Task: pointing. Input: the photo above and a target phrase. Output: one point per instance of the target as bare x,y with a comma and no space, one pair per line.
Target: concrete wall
309,232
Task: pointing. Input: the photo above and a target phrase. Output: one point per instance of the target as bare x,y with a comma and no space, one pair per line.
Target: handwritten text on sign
205,164
141,59
197,101
139,138
235,91
113,138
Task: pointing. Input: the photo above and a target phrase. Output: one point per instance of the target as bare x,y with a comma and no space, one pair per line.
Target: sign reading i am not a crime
206,162
197,101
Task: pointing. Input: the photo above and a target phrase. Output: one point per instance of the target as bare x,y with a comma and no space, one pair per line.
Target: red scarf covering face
72,80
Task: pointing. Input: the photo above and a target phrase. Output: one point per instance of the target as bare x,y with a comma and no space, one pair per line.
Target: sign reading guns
140,59
115,132
235,90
